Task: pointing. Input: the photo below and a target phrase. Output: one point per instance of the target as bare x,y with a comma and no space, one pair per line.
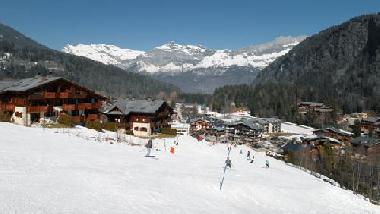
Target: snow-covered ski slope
46,172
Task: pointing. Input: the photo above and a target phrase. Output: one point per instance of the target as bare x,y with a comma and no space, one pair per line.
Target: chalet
370,125
31,99
270,125
245,127
338,134
200,124
182,128
366,147
142,116
304,107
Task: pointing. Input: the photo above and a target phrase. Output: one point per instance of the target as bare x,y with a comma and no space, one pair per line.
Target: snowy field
42,171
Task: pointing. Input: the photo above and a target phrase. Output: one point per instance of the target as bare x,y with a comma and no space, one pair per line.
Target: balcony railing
92,117
50,95
9,107
36,109
18,101
96,105
68,107
84,106
36,96
64,95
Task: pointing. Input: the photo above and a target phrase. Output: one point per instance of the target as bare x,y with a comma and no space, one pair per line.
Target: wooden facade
339,135
32,99
143,117
200,124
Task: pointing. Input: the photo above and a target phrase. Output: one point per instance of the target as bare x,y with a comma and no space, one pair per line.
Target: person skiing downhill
267,163
228,163
248,155
253,157
149,147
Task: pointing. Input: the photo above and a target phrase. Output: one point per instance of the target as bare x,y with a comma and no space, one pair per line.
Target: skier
267,163
241,151
228,163
253,157
248,155
149,147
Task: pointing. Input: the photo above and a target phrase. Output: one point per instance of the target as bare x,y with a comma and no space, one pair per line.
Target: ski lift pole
224,170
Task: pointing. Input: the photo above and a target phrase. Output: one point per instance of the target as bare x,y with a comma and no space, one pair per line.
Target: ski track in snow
46,172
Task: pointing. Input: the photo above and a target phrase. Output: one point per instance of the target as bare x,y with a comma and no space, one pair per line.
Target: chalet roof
371,119
334,130
364,140
127,106
25,84
199,119
264,121
312,104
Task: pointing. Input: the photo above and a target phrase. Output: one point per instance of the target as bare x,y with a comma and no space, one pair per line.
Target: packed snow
80,171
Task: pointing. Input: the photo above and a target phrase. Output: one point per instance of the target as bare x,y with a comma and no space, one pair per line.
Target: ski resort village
68,149
190,107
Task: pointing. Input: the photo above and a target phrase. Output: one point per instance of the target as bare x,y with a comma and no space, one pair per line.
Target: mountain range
193,68
22,57
338,66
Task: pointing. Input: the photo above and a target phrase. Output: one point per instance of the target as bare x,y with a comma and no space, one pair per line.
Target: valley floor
42,171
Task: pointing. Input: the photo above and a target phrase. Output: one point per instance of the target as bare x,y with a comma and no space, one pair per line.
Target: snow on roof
312,103
135,105
25,84
179,125
296,129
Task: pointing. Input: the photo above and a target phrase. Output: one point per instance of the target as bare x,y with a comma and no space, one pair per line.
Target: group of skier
228,162
249,158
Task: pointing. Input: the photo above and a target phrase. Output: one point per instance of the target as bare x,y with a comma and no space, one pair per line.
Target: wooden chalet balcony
37,109
50,95
96,105
92,117
68,107
9,107
84,106
18,101
63,95
36,96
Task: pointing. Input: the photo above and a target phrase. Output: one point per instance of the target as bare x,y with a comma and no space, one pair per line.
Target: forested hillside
21,57
338,66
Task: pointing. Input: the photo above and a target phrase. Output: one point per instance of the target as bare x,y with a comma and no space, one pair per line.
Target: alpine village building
45,97
142,116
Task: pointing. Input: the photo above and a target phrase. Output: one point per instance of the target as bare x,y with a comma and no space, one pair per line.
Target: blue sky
144,24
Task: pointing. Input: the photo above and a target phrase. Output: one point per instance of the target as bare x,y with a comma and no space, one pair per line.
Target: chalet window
143,119
75,113
71,101
18,114
143,129
136,128
137,119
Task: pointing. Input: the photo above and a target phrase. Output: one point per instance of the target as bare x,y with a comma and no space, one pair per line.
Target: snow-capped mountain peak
173,46
175,57
107,54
